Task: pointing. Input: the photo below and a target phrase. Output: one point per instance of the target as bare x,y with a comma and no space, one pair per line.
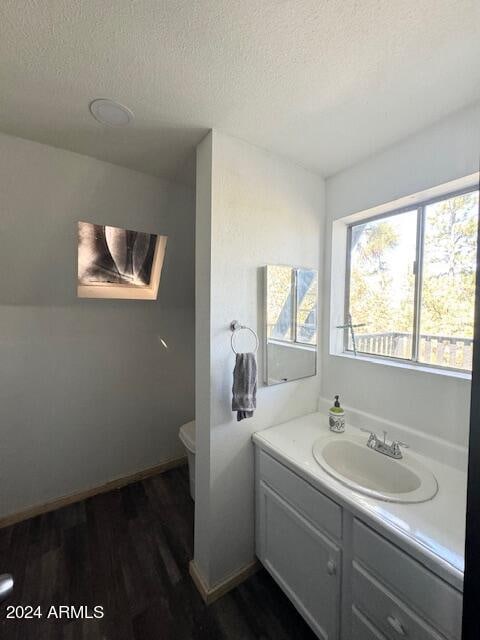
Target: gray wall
87,391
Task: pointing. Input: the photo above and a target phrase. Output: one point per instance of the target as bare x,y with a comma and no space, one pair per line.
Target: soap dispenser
336,417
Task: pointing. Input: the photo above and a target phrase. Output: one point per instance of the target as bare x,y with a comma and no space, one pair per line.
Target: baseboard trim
210,594
64,501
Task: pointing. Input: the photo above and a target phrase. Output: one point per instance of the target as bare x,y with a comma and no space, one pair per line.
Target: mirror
291,296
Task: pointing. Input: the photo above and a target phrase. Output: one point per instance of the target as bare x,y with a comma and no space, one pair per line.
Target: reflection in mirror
291,323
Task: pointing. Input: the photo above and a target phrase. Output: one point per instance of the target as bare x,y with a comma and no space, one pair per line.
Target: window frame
419,208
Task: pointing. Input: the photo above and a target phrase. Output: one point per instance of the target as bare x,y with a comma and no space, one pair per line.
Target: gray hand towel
244,389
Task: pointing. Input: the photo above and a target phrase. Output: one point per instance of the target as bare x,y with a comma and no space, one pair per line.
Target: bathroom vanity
356,567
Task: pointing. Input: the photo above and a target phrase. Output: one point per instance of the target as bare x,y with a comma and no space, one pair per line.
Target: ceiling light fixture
111,113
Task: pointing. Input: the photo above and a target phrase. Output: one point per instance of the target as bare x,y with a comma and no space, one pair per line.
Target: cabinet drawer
319,509
432,598
386,611
362,629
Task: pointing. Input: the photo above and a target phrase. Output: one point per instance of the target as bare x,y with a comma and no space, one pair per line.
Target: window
306,306
292,304
280,281
411,282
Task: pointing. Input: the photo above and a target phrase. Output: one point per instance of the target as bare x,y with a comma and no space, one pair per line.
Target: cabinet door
302,560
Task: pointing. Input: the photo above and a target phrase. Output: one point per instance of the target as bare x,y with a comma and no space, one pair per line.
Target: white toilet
187,436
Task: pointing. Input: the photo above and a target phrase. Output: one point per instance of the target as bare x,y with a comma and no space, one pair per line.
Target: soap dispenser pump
336,417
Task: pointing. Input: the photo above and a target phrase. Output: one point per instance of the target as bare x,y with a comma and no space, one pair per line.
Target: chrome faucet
392,449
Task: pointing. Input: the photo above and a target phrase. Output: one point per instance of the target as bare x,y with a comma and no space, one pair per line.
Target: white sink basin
347,458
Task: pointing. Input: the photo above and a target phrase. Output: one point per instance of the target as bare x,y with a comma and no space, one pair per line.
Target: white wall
262,210
428,402
203,339
87,392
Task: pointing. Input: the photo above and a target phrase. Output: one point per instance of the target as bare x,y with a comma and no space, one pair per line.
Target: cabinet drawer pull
331,568
396,625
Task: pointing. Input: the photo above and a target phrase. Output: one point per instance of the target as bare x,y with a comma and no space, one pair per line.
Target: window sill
450,373
293,345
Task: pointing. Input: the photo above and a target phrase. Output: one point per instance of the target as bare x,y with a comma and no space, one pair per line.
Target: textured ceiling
322,82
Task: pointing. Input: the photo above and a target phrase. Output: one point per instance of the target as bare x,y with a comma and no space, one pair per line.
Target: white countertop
433,531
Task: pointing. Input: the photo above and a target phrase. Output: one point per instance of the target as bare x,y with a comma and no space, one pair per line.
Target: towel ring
235,326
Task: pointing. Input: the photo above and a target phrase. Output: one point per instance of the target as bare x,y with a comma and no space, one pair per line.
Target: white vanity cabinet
300,554
346,579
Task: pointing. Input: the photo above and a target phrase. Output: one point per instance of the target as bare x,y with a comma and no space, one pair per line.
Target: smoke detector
110,113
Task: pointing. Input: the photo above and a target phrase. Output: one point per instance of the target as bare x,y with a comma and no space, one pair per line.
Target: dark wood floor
128,551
